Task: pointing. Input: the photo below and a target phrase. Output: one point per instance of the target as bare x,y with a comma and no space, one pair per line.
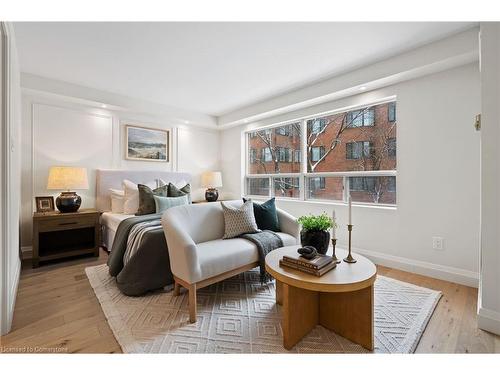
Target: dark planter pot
320,239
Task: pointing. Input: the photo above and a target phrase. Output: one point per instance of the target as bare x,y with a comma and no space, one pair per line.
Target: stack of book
317,266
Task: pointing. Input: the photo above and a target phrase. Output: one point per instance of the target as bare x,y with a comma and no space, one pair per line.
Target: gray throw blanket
266,241
148,268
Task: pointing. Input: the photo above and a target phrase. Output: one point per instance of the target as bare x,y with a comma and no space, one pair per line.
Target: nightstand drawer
65,223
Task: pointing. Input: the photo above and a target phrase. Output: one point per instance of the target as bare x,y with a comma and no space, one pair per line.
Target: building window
267,156
317,153
297,156
258,186
391,147
391,112
253,155
317,183
253,134
361,117
358,150
284,154
283,130
316,125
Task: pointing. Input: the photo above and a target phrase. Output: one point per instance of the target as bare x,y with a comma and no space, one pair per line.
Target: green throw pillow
174,191
164,203
146,200
266,215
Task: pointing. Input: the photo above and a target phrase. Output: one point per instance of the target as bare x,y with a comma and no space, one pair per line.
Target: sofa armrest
182,250
289,224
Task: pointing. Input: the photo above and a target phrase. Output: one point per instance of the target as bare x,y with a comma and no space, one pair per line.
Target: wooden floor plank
56,309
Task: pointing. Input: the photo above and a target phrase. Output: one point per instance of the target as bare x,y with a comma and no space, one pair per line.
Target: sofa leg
177,289
192,303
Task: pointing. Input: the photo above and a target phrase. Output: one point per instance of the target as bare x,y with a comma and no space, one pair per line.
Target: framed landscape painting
147,144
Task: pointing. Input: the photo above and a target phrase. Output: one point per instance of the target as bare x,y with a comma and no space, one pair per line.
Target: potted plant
316,231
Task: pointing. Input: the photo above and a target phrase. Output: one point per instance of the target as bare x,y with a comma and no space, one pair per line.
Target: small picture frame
44,204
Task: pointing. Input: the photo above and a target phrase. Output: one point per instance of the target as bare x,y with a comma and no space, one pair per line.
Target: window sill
389,207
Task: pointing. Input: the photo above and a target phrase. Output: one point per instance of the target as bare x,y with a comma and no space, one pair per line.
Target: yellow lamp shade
68,178
211,179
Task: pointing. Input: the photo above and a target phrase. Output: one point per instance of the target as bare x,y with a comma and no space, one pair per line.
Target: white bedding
110,222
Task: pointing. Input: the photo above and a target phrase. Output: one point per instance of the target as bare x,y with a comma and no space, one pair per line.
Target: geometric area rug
239,315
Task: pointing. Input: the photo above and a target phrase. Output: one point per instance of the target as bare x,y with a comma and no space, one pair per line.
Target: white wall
437,182
57,130
489,299
10,155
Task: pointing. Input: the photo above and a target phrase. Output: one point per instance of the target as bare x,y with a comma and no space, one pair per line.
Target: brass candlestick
334,257
349,258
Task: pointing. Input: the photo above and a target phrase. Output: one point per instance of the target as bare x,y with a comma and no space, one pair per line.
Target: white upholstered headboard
112,179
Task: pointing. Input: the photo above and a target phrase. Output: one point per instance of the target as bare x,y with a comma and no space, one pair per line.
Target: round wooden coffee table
340,300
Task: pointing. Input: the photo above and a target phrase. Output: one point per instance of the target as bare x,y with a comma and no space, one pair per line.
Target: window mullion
303,160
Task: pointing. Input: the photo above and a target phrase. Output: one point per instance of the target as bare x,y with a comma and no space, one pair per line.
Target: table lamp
68,178
211,181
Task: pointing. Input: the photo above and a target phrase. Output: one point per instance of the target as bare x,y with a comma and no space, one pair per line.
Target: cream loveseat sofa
198,254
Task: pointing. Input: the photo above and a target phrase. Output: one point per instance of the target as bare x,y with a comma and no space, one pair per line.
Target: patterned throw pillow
174,191
146,198
239,221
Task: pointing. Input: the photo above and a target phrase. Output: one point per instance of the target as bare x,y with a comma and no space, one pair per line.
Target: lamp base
211,195
68,201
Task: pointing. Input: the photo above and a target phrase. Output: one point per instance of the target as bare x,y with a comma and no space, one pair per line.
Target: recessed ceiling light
245,121
104,106
362,88
186,122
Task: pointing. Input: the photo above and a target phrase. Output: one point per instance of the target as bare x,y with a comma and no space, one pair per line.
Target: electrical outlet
437,243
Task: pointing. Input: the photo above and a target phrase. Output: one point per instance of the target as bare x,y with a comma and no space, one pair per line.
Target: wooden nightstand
60,235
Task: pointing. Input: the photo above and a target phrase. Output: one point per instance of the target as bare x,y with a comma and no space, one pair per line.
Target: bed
112,179
143,264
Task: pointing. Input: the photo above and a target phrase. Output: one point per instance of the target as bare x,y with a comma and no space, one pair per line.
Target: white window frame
304,175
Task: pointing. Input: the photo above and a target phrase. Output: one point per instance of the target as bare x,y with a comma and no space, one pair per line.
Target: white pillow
131,199
117,200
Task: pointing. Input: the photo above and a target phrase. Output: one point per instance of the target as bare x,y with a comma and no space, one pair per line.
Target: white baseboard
26,252
455,275
11,299
488,320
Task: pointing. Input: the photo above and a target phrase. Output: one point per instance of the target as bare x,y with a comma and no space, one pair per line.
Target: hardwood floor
57,311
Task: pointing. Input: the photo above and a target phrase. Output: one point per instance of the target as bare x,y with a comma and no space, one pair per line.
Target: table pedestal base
349,314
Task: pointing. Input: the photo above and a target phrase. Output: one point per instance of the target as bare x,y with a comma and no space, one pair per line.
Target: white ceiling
212,68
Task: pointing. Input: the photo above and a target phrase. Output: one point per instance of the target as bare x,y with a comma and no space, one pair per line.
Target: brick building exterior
361,140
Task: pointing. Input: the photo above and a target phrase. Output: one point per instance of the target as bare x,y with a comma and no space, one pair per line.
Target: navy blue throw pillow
266,215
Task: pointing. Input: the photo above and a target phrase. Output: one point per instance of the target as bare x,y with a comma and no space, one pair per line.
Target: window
253,134
391,147
358,150
316,125
284,154
253,155
377,189
348,153
266,156
283,130
258,186
317,152
325,188
274,149
361,117
316,183
391,112
297,156
286,187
